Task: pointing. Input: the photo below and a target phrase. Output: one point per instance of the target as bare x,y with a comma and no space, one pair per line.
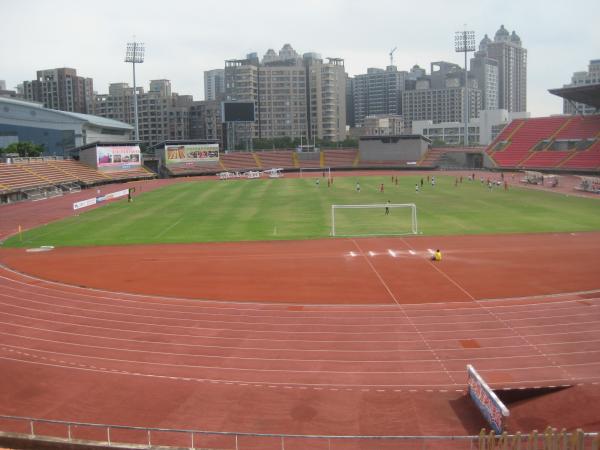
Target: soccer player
357,186
437,256
381,188
417,188
387,208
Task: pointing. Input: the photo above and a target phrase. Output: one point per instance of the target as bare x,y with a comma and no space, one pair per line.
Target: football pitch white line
377,273
170,227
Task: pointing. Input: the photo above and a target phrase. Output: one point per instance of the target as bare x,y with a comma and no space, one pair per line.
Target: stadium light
135,54
464,42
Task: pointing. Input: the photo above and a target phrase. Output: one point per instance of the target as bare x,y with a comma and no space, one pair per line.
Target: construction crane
392,56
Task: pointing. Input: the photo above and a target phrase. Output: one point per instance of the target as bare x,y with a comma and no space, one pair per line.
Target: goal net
373,220
315,171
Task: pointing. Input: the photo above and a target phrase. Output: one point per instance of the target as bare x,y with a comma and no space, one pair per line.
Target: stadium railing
15,428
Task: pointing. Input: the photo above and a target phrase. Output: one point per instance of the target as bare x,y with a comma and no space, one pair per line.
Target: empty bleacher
524,139
188,169
13,177
276,158
580,127
340,157
432,157
130,174
48,172
239,161
546,159
584,159
86,175
563,142
21,179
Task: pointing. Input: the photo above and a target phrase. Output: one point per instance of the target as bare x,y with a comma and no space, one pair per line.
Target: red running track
368,337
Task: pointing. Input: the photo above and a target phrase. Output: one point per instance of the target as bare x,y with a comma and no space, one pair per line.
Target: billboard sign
494,411
191,153
122,156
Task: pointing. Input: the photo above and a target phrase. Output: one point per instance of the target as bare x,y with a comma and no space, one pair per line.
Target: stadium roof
101,122
588,94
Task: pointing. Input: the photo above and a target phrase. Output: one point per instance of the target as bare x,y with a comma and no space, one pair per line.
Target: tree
25,149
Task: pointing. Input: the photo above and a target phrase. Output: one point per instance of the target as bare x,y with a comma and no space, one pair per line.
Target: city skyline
181,45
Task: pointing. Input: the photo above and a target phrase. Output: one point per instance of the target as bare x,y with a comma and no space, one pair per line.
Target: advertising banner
84,203
177,154
101,198
486,400
118,157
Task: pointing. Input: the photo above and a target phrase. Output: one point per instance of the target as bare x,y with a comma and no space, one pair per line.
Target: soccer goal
311,171
374,219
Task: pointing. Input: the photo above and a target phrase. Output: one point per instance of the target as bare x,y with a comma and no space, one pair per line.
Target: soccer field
298,208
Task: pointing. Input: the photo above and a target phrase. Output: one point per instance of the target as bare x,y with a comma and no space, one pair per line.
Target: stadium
235,303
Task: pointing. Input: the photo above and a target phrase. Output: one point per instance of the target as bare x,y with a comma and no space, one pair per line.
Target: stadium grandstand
567,143
43,177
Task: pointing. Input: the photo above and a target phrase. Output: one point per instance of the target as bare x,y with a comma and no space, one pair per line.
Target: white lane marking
381,280
372,253
412,252
392,253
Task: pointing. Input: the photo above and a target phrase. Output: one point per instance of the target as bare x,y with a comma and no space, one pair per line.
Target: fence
57,431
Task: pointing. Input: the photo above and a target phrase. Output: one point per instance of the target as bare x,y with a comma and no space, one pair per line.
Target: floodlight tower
135,54
464,42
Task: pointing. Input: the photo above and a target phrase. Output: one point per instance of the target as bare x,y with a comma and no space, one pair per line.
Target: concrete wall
89,157
392,148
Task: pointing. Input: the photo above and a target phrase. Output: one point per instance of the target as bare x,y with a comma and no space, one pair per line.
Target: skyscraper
377,92
163,115
508,51
61,89
485,71
295,96
214,84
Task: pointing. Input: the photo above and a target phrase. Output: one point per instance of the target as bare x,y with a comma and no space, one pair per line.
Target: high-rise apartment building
214,84
205,120
485,71
295,96
508,51
592,76
61,89
162,115
378,92
440,105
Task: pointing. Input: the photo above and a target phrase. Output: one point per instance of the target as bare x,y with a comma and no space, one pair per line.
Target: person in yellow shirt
437,256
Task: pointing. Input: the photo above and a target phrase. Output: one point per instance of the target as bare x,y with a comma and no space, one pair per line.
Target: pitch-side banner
175,154
122,156
101,198
486,400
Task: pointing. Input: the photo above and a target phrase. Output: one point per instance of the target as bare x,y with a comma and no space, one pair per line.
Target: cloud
185,38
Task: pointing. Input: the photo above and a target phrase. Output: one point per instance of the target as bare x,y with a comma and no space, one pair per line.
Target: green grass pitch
298,208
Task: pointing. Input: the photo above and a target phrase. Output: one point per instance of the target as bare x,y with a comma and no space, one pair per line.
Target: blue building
57,131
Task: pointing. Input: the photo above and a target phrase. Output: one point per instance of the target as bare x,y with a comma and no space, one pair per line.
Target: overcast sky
185,38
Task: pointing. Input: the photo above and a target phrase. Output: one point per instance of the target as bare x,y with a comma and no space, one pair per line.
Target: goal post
376,219
310,171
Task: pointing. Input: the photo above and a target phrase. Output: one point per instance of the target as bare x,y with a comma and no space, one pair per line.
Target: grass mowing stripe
298,208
